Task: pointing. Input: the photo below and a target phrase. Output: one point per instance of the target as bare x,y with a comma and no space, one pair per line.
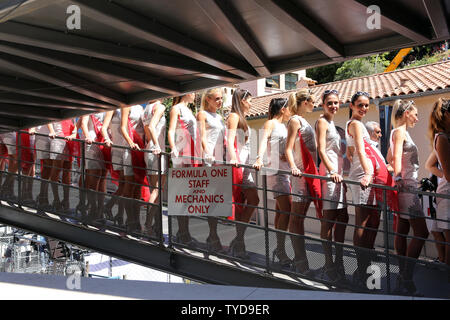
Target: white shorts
300,191
443,213
151,161
409,203
335,192
94,157
9,140
54,149
279,184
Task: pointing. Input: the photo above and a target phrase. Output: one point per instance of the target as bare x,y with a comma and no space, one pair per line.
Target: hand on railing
296,172
108,143
174,153
234,163
366,180
258,164
155,150
88,140
134,146
71,137
337,178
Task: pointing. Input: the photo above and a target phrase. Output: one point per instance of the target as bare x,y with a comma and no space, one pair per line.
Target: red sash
237,179
106,151
27,152
138,162
314,185
382,176
72,146
189,149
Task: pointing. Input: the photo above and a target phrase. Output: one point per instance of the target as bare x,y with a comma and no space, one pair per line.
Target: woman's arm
105,126
174,113
157,114
201,118
232,124
321,131
398,138
356,131
51,130
443,153
293,127
431,165
84,129
124,127
268,127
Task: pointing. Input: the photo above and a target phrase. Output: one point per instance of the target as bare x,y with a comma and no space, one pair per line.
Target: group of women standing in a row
292,144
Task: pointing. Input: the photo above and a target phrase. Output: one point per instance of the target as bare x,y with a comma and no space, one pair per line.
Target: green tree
362,67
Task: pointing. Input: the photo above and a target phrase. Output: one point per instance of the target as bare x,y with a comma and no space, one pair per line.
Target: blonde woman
274,141
332,165
212,135
439,132
182,136
154,122
405,161
244,191
301,152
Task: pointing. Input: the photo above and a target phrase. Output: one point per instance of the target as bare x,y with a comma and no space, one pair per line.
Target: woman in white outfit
332,165
439,131
95,163
238,134
132,131
212,135
300,103
274,141
154,122
362,170
9,141
182,137
112,135
405,161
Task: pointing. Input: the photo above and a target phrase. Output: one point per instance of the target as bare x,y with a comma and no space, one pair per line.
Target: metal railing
259,238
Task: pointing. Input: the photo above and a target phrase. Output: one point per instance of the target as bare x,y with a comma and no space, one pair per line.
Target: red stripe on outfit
138,162
314,185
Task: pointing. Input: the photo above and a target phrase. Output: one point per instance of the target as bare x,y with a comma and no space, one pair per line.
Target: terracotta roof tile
396,83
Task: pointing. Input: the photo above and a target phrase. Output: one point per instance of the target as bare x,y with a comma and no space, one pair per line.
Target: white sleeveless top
356,169
190,122
160,128
309,137
91,130
135,117
276,146
215,134
410,157
333,149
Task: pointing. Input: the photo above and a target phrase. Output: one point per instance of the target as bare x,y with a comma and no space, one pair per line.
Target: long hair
275,106
208,93
437,118
296,98
399,108
238,96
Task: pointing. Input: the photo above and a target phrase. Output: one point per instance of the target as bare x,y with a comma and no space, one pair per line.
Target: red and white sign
202,191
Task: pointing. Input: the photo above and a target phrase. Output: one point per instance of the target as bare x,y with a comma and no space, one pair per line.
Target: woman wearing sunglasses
335,209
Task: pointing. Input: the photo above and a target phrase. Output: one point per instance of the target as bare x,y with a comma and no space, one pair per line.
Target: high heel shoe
284,260
186,239
237,248
214,245
301,266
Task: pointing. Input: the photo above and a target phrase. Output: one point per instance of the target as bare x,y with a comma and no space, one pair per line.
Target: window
273,82
289,81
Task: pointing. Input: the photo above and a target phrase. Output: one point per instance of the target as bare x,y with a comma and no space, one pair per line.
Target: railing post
266,222
83,180
169,217
386,241
19,170
160,211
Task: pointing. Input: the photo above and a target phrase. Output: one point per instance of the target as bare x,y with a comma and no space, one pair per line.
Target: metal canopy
130,51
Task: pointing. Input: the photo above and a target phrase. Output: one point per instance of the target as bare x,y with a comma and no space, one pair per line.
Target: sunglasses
327,92
245,94
445,107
